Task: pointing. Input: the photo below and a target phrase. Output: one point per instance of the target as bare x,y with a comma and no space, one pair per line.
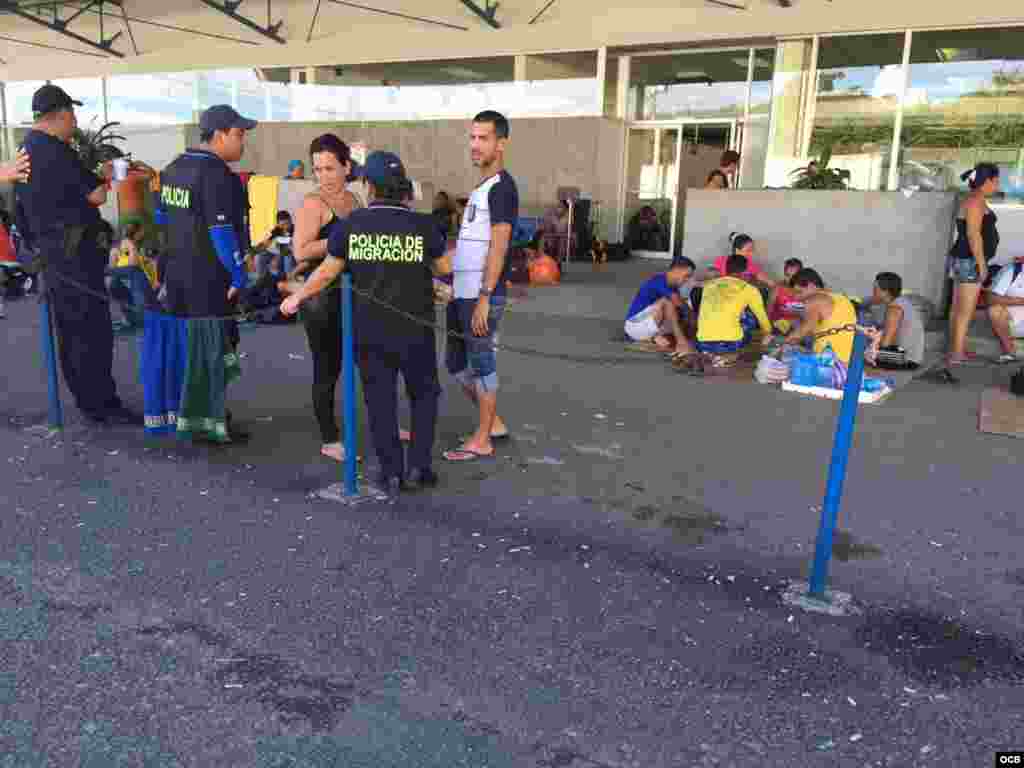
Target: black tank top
989,238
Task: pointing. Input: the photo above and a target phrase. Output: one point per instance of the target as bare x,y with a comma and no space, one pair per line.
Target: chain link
449,333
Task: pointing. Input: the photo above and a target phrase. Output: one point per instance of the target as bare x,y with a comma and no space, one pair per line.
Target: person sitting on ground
133,280
730,309
901,345
742,245
825,312
1006,308
785,310
654,313
278,242
265,293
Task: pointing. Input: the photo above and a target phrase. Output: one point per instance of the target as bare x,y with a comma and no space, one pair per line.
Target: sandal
691,365
460,455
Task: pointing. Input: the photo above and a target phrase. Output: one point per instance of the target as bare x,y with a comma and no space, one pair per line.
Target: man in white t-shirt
1006,308
480,273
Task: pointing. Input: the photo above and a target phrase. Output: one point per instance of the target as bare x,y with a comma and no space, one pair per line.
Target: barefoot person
1006,308
321,211
480,275
825,311
654,313
976,242
393,254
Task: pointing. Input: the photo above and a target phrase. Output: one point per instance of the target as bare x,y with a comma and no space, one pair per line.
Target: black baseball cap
223,118
382,167
51,98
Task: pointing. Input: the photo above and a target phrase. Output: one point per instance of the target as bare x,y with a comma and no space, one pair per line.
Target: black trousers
415,356
321,317
84,329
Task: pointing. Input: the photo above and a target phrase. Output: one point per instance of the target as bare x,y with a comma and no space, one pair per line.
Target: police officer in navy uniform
393,254
204,206
59,206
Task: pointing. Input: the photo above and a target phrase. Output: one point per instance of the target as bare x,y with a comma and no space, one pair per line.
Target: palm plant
819,176
96,147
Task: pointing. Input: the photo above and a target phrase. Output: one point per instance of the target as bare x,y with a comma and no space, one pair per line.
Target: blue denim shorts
964,270
473,359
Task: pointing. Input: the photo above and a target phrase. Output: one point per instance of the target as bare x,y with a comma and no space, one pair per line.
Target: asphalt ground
606,592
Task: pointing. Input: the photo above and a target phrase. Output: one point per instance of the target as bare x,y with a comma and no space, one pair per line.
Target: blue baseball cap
382,167
223,118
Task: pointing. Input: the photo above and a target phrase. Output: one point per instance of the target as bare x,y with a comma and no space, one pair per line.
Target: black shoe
122,416
391,487
421,479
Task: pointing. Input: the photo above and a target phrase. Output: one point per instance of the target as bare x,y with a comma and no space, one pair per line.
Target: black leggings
321,317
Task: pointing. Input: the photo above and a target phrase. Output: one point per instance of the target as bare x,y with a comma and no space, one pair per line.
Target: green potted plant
96,147
817,175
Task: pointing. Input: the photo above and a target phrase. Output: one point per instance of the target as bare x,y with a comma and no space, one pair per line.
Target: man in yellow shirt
730,310
824,311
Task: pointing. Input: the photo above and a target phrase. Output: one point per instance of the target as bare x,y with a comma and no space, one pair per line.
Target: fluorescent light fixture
691,74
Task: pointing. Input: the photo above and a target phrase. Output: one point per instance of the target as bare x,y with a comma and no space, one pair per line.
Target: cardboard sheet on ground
1001,413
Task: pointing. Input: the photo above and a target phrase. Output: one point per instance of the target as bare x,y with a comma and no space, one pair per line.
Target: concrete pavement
604,593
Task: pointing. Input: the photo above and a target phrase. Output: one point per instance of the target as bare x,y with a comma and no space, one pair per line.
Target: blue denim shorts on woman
964,271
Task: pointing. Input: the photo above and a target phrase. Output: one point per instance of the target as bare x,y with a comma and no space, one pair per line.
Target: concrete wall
544,154
849,237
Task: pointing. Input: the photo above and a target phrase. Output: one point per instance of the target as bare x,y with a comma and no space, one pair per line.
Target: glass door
652,190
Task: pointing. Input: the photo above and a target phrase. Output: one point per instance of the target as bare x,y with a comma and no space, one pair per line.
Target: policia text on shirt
383,247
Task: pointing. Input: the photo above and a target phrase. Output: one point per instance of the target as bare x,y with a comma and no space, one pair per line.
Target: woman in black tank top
321,316
976,243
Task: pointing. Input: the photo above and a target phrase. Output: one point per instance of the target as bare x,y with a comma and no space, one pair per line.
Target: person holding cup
61,201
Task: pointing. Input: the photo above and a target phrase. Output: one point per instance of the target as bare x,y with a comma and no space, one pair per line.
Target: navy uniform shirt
56,195
390,252
199,194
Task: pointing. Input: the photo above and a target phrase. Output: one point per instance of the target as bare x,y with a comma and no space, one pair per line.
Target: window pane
89,91
755,132
965,104
860,80
691,85
151,99
19,101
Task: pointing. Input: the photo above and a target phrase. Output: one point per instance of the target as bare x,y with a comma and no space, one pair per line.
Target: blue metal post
56,413
349,406
837,469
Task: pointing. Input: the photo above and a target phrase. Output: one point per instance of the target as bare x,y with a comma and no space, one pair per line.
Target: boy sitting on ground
654,313
901,346
730,310
1006,308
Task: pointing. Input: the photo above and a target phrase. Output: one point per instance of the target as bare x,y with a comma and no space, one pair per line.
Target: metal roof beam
230,9
486,13
60,26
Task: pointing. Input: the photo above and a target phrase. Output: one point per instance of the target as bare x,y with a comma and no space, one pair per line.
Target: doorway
662,162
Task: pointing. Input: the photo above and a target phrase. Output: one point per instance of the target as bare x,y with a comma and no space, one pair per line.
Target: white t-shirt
498,192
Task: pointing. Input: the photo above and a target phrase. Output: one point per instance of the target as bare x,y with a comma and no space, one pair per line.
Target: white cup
121,166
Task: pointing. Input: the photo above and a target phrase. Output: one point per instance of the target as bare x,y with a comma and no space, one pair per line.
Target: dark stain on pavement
270,680
939,651
846,547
